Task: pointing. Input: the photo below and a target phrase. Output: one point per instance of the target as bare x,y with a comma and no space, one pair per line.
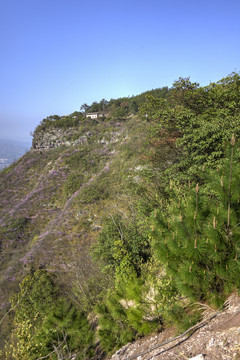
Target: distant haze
18,128
11,150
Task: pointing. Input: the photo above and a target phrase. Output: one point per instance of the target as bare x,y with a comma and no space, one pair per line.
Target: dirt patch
217,339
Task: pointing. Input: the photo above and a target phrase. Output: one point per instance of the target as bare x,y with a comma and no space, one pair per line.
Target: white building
96,115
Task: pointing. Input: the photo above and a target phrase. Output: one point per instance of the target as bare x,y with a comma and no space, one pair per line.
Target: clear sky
58,54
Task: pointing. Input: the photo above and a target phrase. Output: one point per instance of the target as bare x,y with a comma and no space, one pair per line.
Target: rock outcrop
56,137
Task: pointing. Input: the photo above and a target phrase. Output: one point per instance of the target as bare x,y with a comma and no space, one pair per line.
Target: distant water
11,150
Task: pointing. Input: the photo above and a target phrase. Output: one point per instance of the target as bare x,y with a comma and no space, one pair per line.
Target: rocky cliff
56,137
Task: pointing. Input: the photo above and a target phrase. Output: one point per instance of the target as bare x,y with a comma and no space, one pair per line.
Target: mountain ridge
112,220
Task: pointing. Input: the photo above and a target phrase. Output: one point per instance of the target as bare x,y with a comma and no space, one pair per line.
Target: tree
94,107
133,106
37,294
122,247
199,241
103,104
45,325
36,298
85,107
67,333
124,314
198,121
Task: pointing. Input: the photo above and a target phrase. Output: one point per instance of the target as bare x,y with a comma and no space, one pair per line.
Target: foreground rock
218,339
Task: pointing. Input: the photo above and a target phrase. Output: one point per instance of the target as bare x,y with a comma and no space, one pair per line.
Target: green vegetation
113,238
123,107
122,248
122,315
198,242
64,122
45,325
200,120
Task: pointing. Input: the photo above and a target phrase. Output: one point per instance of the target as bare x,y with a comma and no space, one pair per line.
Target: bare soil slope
217,339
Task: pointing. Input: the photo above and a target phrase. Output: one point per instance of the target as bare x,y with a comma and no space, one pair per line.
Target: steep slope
161,248
214,338
53,199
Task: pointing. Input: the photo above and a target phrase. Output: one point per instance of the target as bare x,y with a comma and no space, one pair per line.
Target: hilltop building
96,115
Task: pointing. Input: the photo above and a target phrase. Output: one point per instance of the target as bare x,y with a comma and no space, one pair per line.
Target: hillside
53,202
55,199
115,228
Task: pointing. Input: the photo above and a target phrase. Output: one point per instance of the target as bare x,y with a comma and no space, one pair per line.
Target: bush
45,324
123,315
122,247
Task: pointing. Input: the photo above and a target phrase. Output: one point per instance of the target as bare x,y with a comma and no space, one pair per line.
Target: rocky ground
218,338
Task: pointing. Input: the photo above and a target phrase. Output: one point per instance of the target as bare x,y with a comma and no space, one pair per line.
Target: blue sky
59,54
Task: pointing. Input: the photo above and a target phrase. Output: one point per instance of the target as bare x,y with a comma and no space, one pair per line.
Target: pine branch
230,181
195,216
54,351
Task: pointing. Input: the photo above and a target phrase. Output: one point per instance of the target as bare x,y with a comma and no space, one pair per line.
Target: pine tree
123,316
114,329
66,331
199,242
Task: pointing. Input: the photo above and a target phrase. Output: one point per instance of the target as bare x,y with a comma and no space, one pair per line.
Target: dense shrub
122,247
46,325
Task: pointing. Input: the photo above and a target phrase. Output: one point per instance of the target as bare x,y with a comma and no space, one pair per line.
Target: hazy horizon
15,140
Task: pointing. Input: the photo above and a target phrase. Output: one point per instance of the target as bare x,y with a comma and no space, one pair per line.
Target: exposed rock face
217,340
57,137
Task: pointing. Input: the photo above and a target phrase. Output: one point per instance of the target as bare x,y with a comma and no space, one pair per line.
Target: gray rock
54,138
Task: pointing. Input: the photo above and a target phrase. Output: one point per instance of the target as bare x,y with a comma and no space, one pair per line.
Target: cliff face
56,137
